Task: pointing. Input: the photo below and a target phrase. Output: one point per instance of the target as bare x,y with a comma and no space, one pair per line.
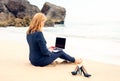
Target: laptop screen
60,42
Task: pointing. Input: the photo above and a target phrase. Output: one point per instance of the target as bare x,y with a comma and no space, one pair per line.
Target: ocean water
107,31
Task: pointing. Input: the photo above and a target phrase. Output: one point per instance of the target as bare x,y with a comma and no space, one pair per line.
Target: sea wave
104,31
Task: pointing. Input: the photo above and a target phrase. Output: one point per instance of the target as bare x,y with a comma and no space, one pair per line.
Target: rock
20,12
54,13
11,9
21,8
49,23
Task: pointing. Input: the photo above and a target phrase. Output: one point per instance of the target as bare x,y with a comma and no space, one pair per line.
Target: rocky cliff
20,12
14,12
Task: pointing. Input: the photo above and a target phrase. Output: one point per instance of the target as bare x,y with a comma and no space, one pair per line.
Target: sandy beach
15,66
92,30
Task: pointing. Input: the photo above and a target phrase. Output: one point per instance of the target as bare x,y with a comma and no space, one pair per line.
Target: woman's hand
51,48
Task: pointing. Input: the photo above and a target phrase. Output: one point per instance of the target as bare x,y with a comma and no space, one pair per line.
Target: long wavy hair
36,23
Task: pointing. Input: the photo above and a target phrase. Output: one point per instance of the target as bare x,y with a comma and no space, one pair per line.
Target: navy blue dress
39,55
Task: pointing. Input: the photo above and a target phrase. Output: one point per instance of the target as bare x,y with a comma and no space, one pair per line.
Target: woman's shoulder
35,34
38,34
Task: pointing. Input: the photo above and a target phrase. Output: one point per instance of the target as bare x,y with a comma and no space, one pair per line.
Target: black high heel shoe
85,74
77,70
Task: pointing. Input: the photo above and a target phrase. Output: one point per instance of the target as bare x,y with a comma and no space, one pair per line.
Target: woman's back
37,46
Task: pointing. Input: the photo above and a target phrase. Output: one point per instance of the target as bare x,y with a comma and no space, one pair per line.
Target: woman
40,55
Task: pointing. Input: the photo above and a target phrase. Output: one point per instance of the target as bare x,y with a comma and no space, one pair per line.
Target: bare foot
78,61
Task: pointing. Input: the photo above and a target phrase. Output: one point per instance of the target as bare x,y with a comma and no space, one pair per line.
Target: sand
15,66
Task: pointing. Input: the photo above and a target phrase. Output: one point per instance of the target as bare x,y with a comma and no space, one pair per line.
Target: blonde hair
37,23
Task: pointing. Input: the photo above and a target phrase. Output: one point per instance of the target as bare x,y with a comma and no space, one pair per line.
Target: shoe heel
85,74
75,71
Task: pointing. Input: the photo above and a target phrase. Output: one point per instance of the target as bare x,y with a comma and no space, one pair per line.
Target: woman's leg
55,55
62,55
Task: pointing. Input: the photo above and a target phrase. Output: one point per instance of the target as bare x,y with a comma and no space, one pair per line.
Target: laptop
60,43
